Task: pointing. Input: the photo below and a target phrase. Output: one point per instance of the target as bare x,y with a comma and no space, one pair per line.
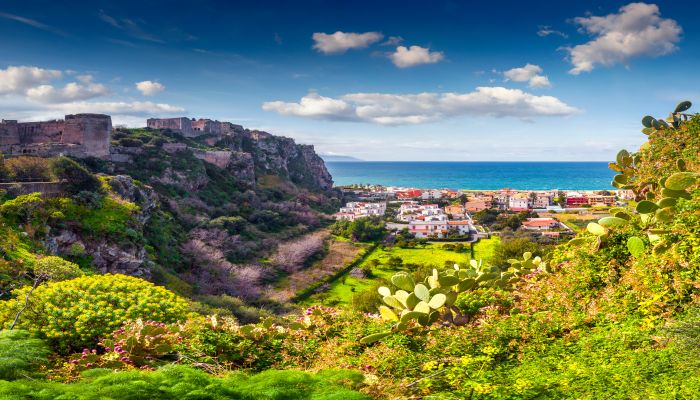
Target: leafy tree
77,177
368,229
513,249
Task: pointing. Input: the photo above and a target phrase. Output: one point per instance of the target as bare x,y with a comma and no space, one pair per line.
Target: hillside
199,215
611,314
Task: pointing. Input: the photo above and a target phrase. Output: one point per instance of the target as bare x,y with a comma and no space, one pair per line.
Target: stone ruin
78,135
193,128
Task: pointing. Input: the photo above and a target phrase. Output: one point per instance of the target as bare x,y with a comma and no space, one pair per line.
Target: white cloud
314,106
539,81
118,107
530,73
405,57
636,30
30,93
19,79
393,41
149,88
545,30
340,42
70,92
402,109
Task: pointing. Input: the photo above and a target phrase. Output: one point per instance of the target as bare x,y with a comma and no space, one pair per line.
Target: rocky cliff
215,204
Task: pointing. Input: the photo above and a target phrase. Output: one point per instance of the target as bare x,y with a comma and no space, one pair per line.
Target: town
462,215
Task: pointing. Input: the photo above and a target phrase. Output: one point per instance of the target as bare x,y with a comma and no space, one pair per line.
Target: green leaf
676,194
422,292
374,337
621,157
646,207
682,106
466,284
621,179
448,280
403,280
614,167
393,302
635,245
433,317
422,307
647,121
612,221
623,215
681,180
596,229
412,300
387,314
401,295
437,301
411,315
680,163
384,291
665,214
667,202
648,131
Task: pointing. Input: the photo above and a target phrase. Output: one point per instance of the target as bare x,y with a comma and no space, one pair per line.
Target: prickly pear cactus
417,305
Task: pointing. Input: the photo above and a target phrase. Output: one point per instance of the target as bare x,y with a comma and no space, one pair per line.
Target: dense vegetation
611,314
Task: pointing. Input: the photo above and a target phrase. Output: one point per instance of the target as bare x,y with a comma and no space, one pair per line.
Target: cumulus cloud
405,57
402,109
32,93
70,92
636,30
19,79
340,42
149,88
118,107
530,73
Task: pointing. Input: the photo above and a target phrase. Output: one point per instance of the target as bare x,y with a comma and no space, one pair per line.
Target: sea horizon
475,175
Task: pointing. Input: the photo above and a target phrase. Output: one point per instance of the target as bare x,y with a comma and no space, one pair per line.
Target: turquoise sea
475,175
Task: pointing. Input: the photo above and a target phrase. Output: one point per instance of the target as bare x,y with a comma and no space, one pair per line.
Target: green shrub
77,177
185,383
73,314
20,353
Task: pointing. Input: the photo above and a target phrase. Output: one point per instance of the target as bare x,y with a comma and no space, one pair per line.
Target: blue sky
428,80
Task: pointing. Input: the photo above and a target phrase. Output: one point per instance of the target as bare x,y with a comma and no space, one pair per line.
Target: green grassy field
343,289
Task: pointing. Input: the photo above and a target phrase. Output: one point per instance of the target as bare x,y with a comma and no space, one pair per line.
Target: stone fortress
248,152
193,128
78,135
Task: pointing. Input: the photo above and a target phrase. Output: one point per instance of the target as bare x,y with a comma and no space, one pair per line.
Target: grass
576,222
342,290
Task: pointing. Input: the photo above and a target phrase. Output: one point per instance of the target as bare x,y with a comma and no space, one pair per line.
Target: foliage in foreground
181,383
73,314
20,354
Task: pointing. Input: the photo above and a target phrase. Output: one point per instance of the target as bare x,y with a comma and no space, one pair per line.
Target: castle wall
79,135
92,131
181,124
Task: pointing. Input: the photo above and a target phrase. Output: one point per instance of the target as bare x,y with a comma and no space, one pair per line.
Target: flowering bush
75,313
137,344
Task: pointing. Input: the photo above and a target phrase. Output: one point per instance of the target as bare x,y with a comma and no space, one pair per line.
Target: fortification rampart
79,135
193,128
